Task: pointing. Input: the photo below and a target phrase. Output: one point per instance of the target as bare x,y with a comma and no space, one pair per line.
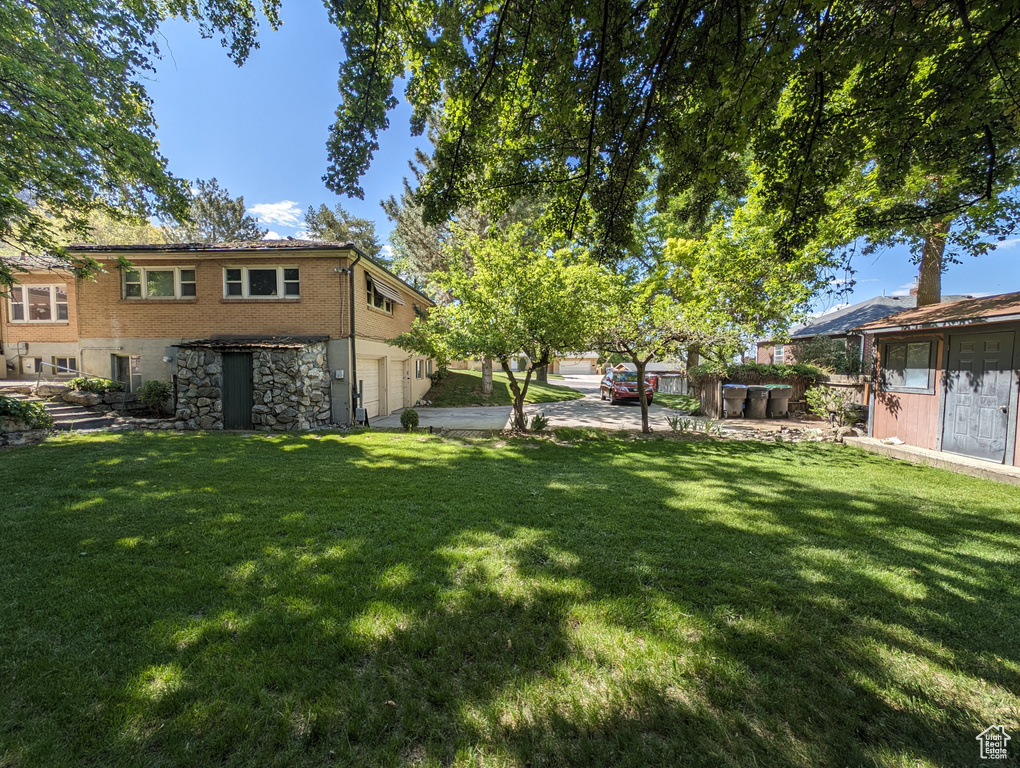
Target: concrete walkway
964,465
475,418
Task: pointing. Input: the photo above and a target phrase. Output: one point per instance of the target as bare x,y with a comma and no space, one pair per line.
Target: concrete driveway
590,411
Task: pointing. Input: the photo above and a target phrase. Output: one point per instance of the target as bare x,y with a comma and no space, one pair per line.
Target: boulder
86,399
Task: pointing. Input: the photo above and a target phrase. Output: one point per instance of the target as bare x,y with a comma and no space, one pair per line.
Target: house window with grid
261,283
779,356
64,366
38,304
159,283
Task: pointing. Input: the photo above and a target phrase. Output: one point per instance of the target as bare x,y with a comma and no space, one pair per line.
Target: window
428,367
779,355
907,366
376,298
64,366
418,369
261,283
159,283
38,303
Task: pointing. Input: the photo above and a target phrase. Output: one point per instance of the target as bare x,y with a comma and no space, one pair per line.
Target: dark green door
238,392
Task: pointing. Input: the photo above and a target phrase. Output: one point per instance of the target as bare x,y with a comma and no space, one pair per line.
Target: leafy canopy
342,227
579,101
76,119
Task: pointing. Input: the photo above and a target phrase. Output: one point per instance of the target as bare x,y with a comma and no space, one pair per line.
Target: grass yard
678,402
460,388
380,599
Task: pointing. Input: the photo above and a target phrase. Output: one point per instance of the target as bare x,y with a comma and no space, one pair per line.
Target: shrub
438,375
538,422
155,395
833,403
409,419
94,385
842,356
32,413
753,373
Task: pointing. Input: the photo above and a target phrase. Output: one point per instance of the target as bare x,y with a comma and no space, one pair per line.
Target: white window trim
245,286
24,303
145,283
779,354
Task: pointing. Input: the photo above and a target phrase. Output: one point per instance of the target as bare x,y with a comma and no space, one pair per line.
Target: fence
672,384
710,392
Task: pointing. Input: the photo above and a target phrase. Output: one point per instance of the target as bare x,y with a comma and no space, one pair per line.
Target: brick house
308,320
948,377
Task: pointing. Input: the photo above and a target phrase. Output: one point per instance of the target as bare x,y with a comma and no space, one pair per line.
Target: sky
261,130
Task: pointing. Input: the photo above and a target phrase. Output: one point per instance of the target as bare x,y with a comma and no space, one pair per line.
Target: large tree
516,298
580,100
339,226
215,217
77,125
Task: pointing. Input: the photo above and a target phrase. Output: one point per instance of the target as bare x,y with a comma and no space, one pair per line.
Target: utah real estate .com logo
993,743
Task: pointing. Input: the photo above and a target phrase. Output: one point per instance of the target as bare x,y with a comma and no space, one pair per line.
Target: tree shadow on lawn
380,601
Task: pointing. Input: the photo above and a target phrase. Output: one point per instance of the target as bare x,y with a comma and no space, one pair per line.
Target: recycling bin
779,401
733,400
757,401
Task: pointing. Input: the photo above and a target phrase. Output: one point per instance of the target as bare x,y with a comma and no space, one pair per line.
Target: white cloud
271,235
903,290
386,252
1008,243
285,213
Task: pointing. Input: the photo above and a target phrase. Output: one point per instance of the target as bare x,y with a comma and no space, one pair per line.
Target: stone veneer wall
199,389
291,388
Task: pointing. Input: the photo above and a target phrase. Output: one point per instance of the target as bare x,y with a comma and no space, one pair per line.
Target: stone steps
67,417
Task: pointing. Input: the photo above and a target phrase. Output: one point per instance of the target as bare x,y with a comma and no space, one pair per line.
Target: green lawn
678,402
461,388
381,599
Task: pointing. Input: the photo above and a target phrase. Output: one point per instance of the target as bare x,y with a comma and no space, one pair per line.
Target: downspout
354,354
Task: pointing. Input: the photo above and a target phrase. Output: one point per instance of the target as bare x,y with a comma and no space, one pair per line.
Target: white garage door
368,374
575,366
396,388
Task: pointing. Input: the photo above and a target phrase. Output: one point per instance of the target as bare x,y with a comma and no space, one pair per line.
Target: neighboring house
948,379
838,325
271,333
575,362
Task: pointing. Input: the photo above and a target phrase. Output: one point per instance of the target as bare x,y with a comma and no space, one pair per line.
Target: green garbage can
757,401
779,401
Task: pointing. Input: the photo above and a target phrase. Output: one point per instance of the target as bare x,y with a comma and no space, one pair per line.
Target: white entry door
368,374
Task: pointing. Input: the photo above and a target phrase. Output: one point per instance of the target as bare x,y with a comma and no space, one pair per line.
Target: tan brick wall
372,323
104,314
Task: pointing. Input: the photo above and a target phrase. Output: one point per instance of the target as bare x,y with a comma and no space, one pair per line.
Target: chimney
913,290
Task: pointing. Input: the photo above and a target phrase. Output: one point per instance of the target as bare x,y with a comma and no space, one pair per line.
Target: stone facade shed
279,383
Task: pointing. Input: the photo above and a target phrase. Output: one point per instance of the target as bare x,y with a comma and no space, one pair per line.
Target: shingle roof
251,245
849,318
1000,308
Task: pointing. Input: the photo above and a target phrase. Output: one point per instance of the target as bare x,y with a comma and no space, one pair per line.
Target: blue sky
261,130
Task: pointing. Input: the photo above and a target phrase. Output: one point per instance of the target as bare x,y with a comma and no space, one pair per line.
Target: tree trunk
642,395
929,282
486,375
517,420
542,374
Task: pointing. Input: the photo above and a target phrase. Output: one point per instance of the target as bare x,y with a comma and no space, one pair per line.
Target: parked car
622,385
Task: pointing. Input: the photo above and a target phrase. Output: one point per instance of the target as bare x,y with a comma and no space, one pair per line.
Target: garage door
368,374
396,388
574,366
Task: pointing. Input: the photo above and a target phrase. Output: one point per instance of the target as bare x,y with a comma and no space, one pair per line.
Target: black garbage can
733,400
757,400
779,401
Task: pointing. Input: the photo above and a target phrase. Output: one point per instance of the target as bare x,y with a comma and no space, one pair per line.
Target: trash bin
733,400
757,400
779,400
